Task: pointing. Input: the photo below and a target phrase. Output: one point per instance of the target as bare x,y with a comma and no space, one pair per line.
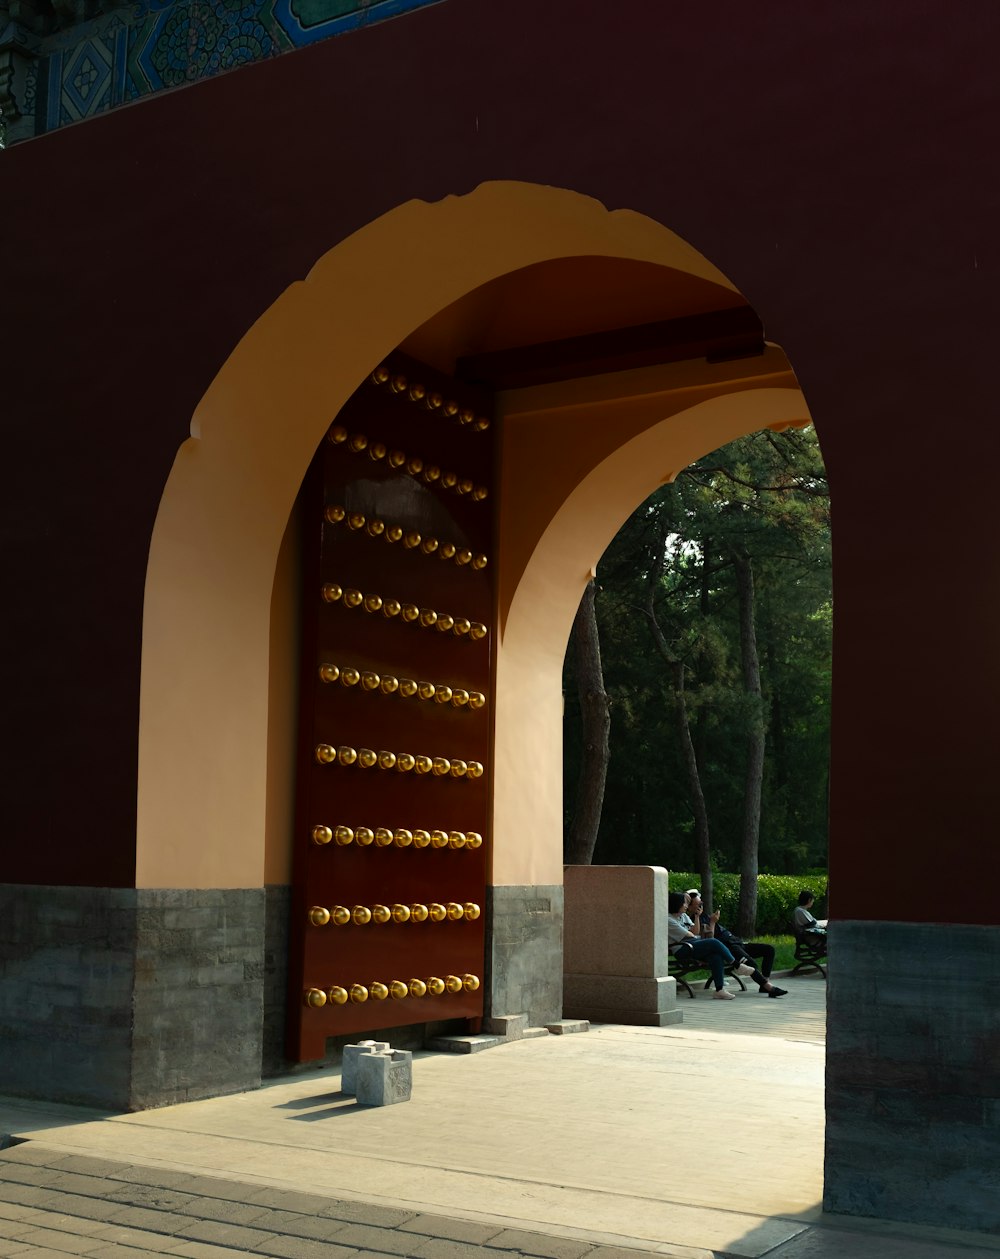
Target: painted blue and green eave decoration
159,44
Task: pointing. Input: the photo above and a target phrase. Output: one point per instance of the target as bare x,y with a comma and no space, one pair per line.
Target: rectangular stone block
615,920
631,1018
509,1026
525,952
464,1044
621,992
385,1078
349,1063
565,1027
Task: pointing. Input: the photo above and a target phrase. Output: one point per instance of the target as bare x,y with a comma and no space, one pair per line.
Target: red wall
835,161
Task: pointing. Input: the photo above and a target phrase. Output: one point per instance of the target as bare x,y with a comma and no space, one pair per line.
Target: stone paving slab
91,1219
555,1148
65,1226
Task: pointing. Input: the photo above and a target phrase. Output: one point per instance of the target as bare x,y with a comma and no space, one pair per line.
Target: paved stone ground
567,1146
55,1204
799,1016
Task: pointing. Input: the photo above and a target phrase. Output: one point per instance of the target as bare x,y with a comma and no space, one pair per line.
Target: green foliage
765,493
784,949
777,897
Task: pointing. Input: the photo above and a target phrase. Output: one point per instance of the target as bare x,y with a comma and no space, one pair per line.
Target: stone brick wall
127,999
524,955
198,1002
913,1073
66,977
276,910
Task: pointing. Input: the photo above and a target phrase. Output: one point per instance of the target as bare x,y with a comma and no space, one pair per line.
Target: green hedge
777,896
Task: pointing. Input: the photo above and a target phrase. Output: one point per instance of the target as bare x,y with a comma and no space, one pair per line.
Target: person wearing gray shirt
683,943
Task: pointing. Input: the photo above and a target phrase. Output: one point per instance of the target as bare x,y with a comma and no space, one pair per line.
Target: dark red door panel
392,815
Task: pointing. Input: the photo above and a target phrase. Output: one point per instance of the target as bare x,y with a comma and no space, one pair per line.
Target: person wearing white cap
708,925
684,943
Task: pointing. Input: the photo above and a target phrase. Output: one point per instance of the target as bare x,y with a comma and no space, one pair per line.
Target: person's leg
718,957
746,962
765,952
761,978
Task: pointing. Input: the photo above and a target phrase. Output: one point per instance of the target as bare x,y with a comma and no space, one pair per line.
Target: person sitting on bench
708,925
684,944
802,918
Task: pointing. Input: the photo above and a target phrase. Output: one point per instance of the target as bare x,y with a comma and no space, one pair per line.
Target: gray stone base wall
524,953
913,1074
66,978
277,908
127,999
198,1009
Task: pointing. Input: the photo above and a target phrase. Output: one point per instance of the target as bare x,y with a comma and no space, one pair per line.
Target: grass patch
784,952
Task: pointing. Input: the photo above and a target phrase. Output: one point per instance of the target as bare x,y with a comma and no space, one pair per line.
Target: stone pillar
615,954
524,953
913,1073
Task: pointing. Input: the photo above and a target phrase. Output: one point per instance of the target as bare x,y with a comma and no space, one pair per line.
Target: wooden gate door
392,813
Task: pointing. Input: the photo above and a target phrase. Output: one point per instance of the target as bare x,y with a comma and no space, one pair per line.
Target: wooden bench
680,969
810,952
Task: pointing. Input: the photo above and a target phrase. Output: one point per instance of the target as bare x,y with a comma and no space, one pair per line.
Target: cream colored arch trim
204,683
527,821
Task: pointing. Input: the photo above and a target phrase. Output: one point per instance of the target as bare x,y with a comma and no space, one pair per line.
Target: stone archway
204,694
209,631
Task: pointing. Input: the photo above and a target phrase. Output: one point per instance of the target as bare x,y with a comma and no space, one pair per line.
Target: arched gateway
828,163
607,355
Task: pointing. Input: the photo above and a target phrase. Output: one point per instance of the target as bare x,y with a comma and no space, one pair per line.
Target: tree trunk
694,785
749,849
676,667
595,713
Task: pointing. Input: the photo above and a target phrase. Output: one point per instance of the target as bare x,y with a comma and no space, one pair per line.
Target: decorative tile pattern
18,82
158,44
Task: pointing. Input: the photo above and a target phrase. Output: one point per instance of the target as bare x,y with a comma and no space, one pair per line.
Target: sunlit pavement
699,1139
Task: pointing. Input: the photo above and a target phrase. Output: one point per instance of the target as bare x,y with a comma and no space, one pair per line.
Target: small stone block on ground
509,1026
384,1078
562,1027
464,1044
349,1063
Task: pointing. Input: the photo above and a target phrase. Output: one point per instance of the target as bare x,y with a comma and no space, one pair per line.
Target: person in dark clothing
709,925
684,942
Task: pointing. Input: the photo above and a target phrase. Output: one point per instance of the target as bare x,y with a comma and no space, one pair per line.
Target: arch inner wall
202,786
